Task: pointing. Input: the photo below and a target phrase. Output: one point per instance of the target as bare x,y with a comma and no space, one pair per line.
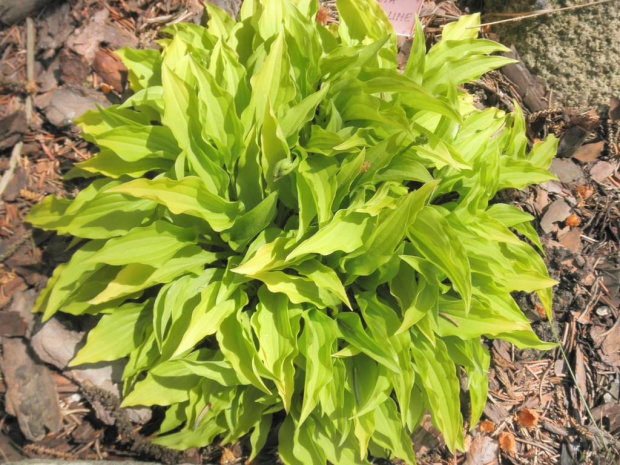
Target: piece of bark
590,152
12,325
13,11
571,141
558,211
31,393
567,171
602,170
54,29
532,92
73,68
18,181
111,69
482,451
22,304
57,345
12,127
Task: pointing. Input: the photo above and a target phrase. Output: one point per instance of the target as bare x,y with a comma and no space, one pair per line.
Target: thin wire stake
539,13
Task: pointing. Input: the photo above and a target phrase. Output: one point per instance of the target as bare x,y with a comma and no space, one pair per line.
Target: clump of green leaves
283,229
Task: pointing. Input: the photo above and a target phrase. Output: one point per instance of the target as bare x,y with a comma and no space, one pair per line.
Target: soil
556,407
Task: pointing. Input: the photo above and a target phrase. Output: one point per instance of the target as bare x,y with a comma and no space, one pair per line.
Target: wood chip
31,392
482,451
590,152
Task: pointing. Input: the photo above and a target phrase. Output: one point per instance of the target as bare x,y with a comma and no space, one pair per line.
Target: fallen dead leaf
482,451
486,426
540,311
507,443
573,221
527,418
585,192
590,152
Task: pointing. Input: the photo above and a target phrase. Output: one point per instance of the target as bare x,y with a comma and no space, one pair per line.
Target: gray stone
577,52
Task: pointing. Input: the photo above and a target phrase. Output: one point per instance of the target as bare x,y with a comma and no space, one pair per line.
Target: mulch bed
560,406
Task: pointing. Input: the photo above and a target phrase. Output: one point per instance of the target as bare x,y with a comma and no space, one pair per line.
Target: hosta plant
283,230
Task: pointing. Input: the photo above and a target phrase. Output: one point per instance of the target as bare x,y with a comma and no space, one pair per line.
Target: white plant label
401,14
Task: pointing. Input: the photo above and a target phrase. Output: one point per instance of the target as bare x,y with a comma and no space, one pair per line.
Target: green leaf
316,345
353,332
438,375
143,66
346,232
114,337
381,245
433,236
277,334
148,246
187,196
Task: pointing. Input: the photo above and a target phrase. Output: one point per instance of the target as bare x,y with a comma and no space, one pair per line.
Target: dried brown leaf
507,443
486,426
527,418
573,221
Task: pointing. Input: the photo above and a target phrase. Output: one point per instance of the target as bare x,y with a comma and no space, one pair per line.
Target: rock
565,48
31,393
12,127
13,11
68,103
57,345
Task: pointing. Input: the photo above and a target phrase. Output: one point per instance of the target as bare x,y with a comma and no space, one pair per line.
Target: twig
30,47
540,13
13,162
